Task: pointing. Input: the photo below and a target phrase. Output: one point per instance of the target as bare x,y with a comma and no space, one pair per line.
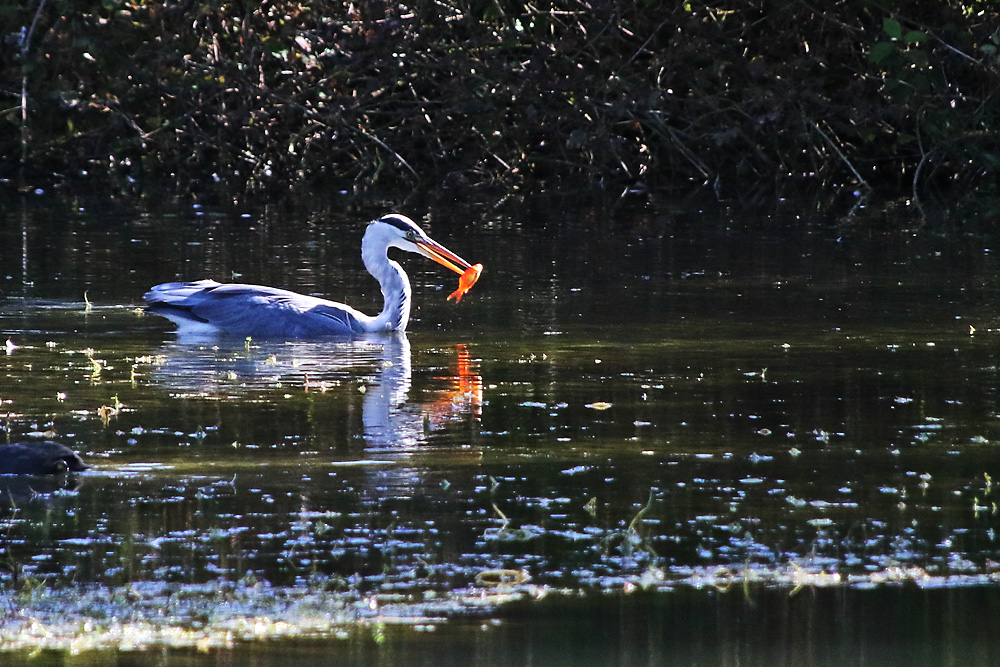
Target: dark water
655,429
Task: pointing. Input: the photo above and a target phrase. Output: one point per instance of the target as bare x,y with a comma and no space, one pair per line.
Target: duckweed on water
146,615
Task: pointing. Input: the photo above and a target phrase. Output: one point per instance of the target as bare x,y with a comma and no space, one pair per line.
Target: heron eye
412,235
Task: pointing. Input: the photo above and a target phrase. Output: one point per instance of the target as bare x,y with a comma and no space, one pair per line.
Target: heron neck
395,287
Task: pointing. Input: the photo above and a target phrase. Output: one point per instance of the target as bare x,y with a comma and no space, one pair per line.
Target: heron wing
252,310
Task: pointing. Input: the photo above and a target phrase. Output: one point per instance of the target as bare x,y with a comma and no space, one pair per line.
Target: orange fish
466,281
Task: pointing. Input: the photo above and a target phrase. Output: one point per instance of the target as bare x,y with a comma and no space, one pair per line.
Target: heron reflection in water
393,421
206,306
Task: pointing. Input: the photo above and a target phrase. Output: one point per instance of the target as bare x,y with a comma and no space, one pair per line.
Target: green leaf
915,36
881,51
892,28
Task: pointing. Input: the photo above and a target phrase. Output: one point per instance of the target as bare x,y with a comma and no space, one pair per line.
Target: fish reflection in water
393,422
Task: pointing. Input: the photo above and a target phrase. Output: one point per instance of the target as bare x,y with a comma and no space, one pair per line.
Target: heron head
404,234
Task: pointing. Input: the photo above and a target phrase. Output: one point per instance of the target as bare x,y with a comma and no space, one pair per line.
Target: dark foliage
276,94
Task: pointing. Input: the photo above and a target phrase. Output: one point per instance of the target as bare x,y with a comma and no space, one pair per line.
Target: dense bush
276,94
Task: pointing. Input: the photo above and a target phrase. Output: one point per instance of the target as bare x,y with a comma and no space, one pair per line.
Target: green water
662,428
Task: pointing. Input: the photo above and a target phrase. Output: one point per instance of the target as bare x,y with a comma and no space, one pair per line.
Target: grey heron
208,307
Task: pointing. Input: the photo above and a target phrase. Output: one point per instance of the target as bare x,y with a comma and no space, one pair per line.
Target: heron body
208,307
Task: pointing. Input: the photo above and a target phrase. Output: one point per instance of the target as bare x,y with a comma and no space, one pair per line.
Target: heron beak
446,258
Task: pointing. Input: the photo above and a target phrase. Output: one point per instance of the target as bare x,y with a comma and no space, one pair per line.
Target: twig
648,40
381,143
840,154
924,155
25,44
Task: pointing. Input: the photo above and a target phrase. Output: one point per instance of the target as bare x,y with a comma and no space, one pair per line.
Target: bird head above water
398,231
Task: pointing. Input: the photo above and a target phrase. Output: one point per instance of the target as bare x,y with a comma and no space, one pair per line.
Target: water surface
666,421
